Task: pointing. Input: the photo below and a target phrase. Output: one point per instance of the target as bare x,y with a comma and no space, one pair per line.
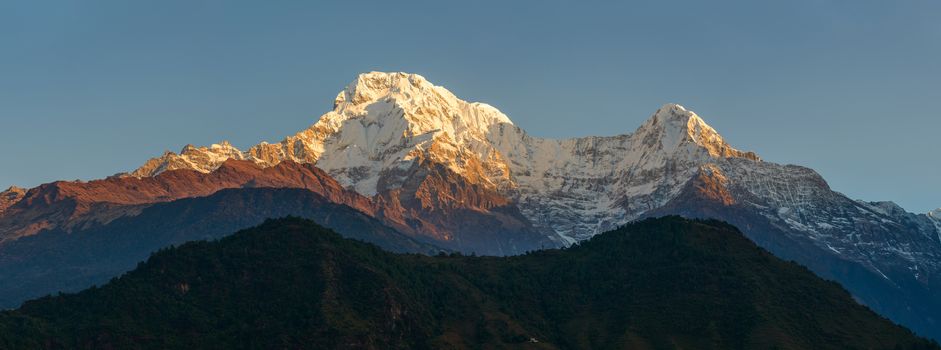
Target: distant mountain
289,283
463,176
57,260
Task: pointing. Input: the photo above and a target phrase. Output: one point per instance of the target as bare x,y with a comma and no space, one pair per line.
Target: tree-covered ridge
289,283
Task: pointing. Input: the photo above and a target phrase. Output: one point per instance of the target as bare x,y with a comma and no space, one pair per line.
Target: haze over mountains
462,176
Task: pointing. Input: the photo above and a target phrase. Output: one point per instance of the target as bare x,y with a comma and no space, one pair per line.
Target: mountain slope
289,283
56,260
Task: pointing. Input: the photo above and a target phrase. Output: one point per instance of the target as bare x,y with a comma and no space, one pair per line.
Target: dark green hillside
658,284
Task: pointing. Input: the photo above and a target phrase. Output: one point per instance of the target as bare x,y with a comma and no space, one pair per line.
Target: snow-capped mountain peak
378,97
385,122
673,127
374,86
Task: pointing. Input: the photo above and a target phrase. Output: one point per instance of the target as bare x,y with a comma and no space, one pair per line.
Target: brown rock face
444,207
711,184
10,197
68,204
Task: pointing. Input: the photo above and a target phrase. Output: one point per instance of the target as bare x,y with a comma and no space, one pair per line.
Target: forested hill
289,283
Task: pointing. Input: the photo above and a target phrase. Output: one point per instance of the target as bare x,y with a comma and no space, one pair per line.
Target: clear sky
849,88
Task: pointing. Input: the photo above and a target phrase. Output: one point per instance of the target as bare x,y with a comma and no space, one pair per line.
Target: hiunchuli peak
380,97
372,86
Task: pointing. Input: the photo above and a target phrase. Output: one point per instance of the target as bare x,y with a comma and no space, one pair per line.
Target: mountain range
460,176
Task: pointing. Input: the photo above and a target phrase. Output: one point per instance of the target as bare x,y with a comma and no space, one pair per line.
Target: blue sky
849,88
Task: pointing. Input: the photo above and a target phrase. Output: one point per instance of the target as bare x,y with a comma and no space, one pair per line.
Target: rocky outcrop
457,214
10,196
